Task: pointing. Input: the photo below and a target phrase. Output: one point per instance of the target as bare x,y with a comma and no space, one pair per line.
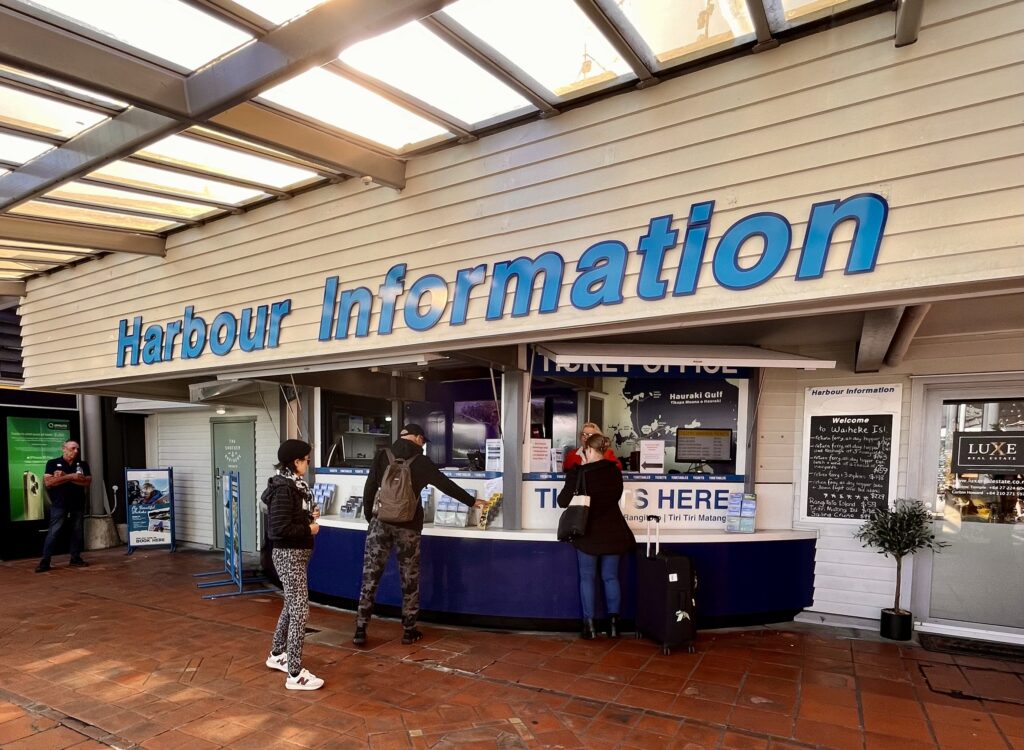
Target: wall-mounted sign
988,453
679,503
597,279
31,442
850,451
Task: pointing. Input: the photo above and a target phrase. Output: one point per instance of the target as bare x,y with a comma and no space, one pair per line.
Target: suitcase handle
656,520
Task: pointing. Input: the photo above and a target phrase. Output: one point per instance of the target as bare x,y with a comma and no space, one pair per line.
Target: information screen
703,445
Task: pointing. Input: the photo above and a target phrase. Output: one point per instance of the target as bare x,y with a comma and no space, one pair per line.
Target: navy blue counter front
528,580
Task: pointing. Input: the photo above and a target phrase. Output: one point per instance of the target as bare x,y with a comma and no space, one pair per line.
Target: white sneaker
279,662
305,680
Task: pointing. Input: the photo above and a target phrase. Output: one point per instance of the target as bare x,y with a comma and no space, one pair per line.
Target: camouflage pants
380,538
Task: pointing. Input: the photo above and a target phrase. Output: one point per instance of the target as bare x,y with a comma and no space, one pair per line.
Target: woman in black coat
293,524
607,537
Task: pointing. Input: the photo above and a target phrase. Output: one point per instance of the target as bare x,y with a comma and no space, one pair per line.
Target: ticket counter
527,579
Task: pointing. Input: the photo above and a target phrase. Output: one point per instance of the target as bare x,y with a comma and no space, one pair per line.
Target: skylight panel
552,40
65,87
193,153
77,214
678,28
279,11
168,29
10,253
343,104
41,114
100,195
18,149
183,185
412,59
46,248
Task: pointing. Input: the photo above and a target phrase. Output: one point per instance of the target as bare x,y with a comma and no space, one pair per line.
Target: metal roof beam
311,40
278,130
107,142
877,332
47,50
76,235
762,29
908,21
406,101
488,58
617,39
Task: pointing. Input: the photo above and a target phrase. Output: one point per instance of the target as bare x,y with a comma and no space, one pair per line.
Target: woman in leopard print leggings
293,516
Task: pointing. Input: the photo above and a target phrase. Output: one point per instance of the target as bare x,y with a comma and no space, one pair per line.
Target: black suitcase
665,589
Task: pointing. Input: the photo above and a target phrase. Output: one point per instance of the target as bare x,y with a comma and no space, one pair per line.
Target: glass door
977,490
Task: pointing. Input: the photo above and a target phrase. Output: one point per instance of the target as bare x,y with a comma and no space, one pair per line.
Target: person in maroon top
575,458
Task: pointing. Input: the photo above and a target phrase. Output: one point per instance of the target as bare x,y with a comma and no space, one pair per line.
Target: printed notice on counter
494,455
540,455
850,451
652,456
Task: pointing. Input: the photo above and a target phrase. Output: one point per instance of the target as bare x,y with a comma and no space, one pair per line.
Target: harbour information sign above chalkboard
850,451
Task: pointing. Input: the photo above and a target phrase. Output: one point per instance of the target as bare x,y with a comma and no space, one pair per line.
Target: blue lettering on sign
750,252
544,492
191,336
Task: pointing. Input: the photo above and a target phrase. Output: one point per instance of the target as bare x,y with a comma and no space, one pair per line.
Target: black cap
292,450
414,429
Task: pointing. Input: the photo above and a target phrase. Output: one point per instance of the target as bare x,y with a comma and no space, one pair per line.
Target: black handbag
573,521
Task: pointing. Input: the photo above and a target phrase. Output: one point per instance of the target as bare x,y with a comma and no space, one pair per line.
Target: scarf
300,483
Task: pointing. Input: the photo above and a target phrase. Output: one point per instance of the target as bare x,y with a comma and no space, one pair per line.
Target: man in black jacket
381,536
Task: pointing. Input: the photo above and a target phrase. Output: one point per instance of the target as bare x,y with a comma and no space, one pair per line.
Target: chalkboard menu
848,465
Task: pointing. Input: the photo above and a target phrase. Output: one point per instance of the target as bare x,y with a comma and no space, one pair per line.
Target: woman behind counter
607,537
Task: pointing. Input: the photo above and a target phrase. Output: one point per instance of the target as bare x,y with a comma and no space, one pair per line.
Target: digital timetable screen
703,445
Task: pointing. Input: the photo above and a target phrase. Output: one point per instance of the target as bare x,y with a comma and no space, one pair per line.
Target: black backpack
396,500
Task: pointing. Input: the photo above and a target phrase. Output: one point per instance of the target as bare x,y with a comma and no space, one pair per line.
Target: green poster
31,442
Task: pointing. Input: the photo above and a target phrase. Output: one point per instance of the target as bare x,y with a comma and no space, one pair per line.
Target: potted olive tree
899,531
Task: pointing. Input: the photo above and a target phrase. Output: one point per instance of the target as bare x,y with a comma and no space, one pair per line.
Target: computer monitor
703,445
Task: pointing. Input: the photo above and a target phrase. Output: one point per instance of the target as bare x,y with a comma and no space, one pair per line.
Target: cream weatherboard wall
848,579
935,128
182,440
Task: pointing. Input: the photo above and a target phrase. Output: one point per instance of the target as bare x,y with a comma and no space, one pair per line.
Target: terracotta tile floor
127,654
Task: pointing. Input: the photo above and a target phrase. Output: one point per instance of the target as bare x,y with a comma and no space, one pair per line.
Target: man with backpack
391,504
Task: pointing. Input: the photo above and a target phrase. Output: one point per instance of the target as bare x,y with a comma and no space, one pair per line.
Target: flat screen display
703,445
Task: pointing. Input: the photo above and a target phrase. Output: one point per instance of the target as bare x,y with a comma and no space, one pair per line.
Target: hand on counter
314,529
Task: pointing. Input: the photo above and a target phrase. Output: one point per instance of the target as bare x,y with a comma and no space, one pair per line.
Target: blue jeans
610,577
60,514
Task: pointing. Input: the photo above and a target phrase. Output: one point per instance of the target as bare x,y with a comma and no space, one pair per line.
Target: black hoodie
423,472
289,514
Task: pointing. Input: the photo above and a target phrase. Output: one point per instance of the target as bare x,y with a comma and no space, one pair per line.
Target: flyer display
149,494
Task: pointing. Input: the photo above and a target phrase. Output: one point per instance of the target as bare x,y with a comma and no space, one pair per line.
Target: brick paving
127,654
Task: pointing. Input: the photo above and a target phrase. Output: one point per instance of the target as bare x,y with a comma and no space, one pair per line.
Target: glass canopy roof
459,73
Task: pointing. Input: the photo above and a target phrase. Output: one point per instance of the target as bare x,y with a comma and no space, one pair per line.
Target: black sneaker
43,567
410,635
78,563
359,637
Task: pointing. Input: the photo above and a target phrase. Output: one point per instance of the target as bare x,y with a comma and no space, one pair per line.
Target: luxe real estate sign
599,280
988,453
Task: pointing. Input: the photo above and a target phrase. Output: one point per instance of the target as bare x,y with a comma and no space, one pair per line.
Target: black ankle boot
588,632
613,626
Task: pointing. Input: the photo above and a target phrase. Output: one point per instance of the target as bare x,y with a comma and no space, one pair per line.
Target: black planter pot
896,626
